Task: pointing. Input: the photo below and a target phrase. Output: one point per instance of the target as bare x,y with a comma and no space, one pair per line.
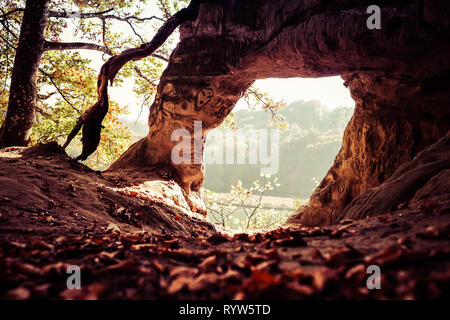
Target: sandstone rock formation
44,191
421,182
392,123
398,76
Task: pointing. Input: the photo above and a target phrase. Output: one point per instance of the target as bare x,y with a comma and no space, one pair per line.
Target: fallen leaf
208,262
218,238
25,268
126,265
20,293
158,266
203,281
61,240
58,268
178,284
91,292
358,272
263,279
323,277
265,265
386,218
183,271
433,232
291,242
386,255
301,289
108,256
141,246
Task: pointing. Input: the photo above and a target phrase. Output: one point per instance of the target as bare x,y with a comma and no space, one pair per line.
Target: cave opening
262,164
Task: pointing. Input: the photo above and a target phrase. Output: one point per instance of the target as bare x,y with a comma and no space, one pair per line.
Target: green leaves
255,99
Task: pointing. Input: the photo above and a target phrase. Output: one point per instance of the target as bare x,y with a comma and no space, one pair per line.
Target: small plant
243,208
299,203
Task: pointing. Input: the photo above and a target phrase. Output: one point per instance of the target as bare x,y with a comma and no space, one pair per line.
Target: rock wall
398,76
44,191
394,120
420,183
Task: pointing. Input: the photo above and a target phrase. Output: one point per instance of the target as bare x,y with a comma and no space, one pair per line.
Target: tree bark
16,128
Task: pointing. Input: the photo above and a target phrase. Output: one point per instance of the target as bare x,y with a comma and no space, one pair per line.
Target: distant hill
138,129
307,149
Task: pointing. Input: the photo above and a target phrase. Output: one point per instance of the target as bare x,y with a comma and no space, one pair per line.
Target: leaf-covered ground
55,213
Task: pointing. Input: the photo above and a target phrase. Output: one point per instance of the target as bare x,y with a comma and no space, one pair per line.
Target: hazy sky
329,91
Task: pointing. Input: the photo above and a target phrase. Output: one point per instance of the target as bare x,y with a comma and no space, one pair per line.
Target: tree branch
8,43
92,119
5,25
67,15
75,45
100,15
48,45
59,90
46,96
160,57
141,75
86,15
3,16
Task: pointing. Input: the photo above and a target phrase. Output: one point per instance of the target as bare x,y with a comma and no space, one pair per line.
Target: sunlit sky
329,91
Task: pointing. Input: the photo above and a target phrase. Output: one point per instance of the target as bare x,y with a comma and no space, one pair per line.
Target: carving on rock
400,109
204,96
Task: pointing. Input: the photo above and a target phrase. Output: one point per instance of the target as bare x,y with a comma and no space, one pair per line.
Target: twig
59,90
3,16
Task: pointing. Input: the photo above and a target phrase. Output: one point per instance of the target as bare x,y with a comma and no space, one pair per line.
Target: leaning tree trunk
16,128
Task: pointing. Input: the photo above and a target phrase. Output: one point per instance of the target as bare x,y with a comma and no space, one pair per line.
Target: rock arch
398,77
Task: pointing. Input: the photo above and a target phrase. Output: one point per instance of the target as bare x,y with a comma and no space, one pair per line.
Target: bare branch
5,25
125,19
46,96
135,32
49,45
59,90
141,75
8,43
75,45
72,14
99,15
3,16
160,57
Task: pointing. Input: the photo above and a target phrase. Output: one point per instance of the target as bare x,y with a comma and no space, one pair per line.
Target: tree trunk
16,128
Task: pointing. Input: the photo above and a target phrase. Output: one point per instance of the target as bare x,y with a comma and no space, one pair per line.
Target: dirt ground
55,212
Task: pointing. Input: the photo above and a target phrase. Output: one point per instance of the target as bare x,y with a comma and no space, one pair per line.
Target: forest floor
55,212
